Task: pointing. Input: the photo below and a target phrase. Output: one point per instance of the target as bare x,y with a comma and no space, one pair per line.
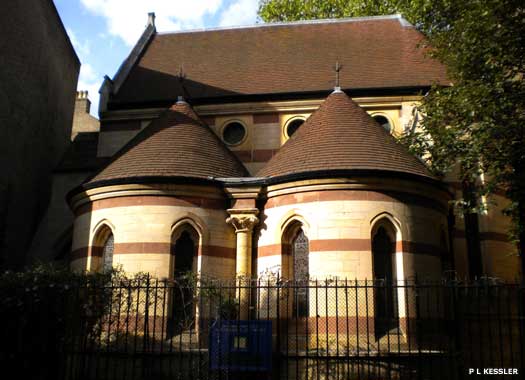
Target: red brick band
151,248
330,245
152,200
265,118
354,195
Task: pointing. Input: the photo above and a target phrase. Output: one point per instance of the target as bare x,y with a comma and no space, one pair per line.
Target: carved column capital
243,220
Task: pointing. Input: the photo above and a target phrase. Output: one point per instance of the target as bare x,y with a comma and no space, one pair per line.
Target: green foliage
479,122
292,10
476,124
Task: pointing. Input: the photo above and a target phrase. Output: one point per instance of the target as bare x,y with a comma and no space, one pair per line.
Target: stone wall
143,226
265,124
339,223
82,119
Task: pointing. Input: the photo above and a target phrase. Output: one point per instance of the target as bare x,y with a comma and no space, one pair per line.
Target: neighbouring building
38,76
52,241
272,148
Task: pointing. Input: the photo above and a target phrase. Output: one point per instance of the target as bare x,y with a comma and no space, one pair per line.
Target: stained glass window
107,253
301,252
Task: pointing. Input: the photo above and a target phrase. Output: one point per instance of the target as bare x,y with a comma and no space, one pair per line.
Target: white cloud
240,12
127,18
88,80
81,47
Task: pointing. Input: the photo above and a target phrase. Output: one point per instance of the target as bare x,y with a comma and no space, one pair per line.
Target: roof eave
246,98
142,180
334,173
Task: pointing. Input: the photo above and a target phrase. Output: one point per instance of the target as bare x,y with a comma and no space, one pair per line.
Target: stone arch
387,265
292,226
295,252
186,243
182,232
387,220
194,221
102,247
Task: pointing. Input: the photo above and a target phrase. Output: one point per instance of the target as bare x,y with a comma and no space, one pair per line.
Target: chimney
83,103
151,19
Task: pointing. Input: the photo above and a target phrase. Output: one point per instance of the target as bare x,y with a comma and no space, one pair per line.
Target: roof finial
181,76
337,69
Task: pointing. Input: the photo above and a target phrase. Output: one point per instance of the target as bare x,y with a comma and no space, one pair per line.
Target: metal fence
266,329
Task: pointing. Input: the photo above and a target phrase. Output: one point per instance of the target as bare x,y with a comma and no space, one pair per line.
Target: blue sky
104,31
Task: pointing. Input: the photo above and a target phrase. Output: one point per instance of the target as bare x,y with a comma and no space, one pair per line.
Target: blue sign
241,346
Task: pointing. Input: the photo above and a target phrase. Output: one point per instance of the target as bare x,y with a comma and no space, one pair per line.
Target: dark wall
38,76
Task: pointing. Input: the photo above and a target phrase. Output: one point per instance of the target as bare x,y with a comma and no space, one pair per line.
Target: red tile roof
380,52
340,135
177,144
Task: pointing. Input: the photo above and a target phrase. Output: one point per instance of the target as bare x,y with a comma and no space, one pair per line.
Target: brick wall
82,120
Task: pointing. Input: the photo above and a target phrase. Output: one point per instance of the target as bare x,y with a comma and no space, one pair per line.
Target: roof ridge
395,16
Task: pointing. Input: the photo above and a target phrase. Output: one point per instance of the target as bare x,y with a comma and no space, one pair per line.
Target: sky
103,32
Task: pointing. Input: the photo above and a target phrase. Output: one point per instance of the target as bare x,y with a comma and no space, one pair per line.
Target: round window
293,126
233,133
384,122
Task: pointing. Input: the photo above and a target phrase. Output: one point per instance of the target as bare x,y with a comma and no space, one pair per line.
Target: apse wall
144,221
340,217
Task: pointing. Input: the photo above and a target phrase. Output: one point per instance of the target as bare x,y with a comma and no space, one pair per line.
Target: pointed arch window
385,296
295,267
184,248
300,256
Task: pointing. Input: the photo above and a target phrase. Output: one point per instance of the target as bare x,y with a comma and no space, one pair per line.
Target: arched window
384,122
107,253
184,248
300,253
385,300
295,267
293,125
102,249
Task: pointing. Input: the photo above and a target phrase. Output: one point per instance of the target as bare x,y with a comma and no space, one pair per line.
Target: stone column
243,220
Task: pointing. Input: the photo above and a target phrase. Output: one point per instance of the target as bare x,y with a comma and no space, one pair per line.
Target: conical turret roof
177,144
341,136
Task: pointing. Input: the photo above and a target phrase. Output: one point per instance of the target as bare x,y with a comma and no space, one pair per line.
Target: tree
292,10
479,122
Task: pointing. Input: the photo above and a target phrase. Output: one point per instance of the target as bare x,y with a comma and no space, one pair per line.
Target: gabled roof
271,59
341,136
177,144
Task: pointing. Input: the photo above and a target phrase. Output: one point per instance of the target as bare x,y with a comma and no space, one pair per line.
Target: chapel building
273,149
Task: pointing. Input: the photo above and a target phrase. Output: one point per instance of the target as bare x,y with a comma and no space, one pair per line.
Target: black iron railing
267,328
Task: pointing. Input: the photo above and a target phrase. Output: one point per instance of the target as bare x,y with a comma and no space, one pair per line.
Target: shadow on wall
157,89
